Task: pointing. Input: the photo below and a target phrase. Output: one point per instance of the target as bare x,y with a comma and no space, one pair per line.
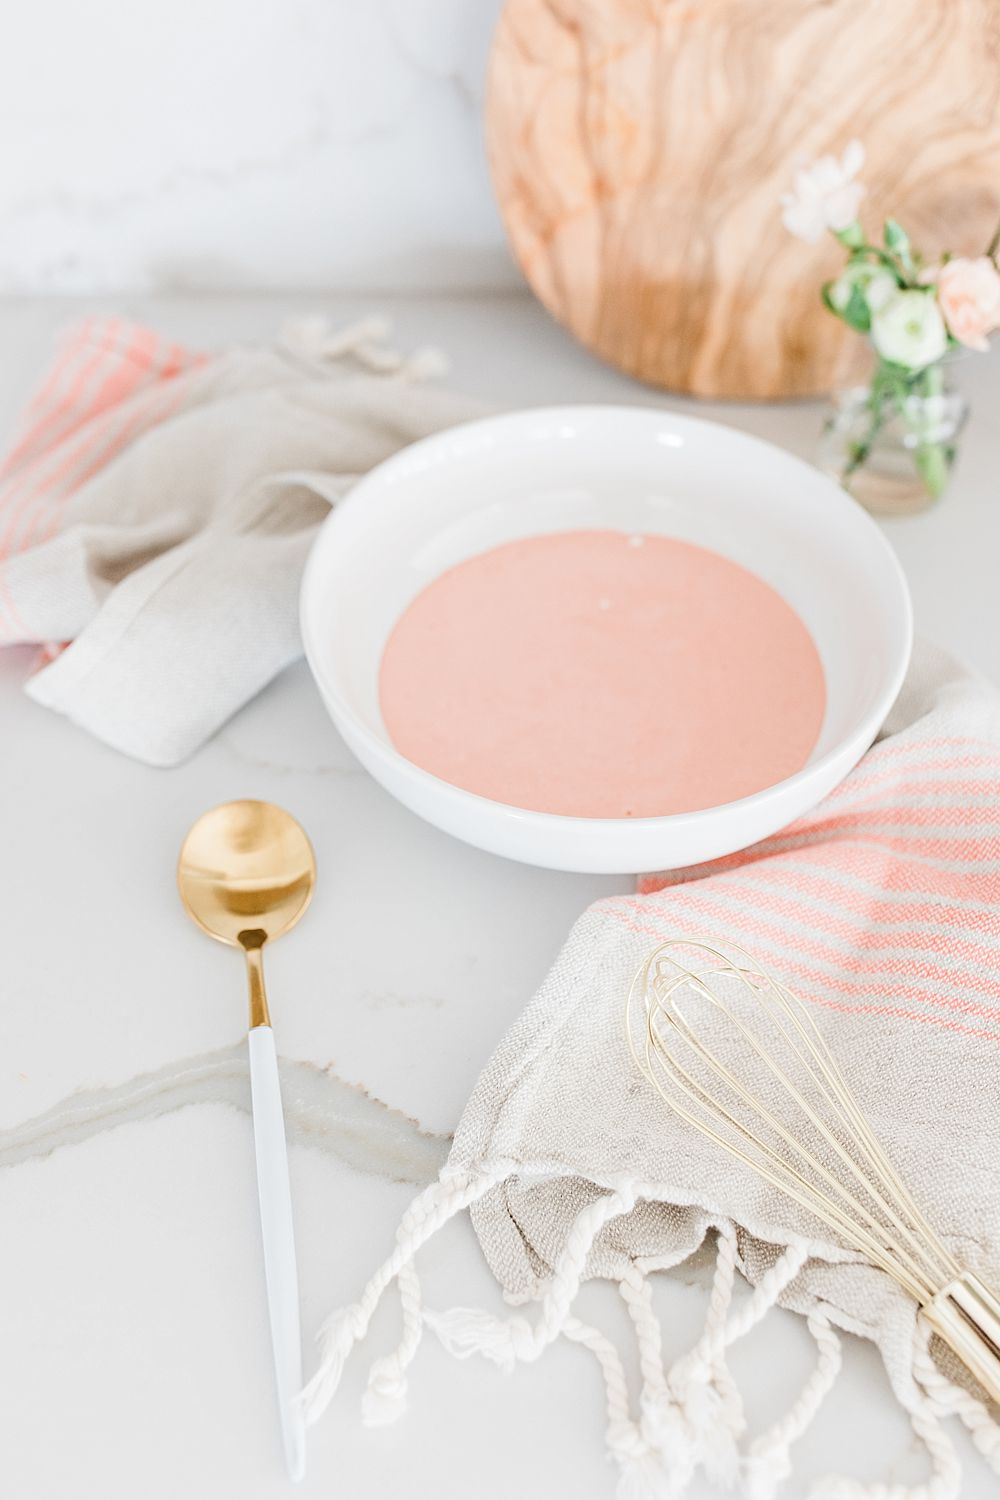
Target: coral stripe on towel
883,901
111,380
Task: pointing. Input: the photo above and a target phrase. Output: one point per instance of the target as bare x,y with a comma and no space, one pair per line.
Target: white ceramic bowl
621,468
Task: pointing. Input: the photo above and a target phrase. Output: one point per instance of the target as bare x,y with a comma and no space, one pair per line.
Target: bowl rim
555,824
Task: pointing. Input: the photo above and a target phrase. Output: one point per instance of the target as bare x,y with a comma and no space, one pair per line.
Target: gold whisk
736,1055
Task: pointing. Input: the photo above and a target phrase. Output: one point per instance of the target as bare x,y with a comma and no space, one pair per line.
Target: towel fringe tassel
365,341
689,1416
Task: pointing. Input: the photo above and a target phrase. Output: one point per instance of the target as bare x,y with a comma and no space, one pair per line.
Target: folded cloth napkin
157,506
882,909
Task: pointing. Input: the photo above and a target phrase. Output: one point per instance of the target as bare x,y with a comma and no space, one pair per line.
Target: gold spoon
246,873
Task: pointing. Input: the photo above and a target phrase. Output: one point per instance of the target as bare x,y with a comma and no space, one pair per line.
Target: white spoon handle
279,1242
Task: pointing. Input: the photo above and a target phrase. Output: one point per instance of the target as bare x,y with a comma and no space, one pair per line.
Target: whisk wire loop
783,1108
793,1189
739,1058
780,1175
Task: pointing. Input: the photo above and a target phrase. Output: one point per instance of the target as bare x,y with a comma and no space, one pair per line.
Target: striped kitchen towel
882,910
157,505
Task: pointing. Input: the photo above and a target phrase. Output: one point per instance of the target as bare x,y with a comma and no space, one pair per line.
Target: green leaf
852,236
897,242
856,314
896,237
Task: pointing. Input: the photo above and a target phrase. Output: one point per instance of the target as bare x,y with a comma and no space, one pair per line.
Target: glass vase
892,444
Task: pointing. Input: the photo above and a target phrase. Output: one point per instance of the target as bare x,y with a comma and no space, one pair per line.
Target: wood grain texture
639,148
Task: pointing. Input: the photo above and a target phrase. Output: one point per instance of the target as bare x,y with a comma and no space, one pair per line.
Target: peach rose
969,294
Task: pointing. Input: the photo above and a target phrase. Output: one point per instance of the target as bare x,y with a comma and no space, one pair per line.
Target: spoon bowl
246,867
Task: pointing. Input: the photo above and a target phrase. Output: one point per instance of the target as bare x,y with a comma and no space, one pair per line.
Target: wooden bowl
639,149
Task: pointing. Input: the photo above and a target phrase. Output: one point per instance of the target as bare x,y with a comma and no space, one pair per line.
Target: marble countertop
136,1356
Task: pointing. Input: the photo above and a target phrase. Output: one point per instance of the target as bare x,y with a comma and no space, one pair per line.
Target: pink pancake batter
604,676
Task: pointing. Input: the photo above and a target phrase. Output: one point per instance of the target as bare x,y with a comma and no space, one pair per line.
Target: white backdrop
186,144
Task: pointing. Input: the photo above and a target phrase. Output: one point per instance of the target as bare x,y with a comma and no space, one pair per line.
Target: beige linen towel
157,506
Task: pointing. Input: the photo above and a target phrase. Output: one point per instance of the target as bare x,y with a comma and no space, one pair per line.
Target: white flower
875,283
825,195
909,330
880,288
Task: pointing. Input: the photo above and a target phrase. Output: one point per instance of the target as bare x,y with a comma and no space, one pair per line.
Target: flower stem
860,451
932,465
931,458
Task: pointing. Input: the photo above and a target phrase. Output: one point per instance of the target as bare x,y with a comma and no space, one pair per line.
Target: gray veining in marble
321,1111
325,144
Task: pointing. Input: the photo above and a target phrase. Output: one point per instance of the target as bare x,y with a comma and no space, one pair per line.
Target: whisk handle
966,1314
